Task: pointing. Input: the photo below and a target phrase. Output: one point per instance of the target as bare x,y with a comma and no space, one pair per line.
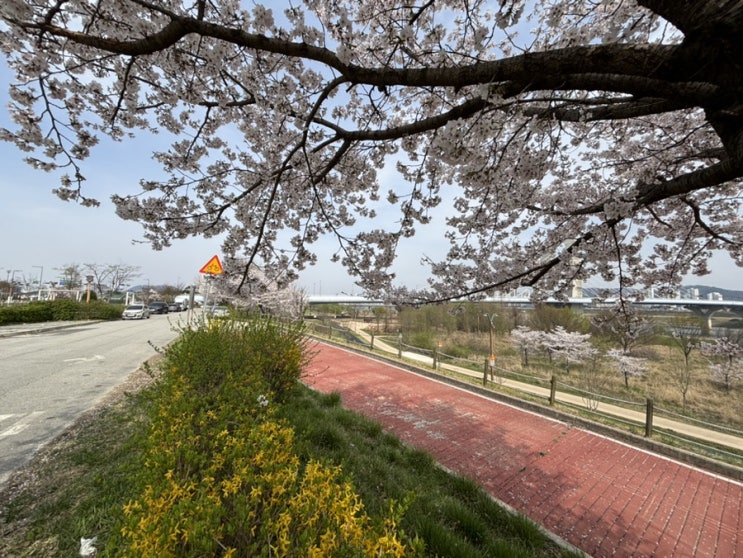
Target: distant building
183,299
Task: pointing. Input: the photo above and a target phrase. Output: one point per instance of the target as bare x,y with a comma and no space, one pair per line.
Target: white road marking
21,424
85,359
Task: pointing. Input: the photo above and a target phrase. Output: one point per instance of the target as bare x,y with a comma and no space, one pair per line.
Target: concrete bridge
699,307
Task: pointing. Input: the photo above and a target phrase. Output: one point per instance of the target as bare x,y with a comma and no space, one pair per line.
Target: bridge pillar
577,290
705,313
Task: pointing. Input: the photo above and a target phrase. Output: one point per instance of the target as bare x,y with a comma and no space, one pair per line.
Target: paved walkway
602,496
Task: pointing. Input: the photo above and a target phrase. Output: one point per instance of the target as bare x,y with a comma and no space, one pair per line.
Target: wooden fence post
553,389
649,418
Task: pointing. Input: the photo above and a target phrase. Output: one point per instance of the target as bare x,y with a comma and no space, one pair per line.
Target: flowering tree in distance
726,367
562,136
526,339
573,346
257,291
627,365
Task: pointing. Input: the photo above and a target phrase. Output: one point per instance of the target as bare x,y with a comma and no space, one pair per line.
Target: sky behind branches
43,234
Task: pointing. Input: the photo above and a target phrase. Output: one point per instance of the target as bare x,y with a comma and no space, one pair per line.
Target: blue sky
41,231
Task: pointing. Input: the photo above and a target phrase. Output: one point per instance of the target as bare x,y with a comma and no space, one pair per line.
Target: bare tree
685,335
71,276
624,325
121,275
570,138
110,278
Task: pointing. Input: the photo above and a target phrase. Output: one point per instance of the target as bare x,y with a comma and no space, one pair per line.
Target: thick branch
614,67
690,16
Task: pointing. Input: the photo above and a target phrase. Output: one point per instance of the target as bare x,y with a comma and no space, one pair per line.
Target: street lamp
491,361
89,279
10,278
41,277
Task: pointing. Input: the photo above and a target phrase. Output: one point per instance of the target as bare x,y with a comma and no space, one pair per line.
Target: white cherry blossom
614,124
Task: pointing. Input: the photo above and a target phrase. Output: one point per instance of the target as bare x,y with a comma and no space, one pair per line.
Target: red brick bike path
602,496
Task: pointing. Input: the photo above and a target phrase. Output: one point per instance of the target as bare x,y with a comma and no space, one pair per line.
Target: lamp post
491,361
89,279
41,278
10,279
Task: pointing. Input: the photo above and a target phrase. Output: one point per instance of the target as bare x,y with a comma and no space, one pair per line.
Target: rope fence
559,392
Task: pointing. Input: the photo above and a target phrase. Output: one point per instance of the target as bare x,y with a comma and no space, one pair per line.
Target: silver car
135,312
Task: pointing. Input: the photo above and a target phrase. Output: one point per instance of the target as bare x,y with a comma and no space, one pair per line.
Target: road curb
13,330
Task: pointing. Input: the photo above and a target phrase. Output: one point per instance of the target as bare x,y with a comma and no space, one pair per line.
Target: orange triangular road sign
213,266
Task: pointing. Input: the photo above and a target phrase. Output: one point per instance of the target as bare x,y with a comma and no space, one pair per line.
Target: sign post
211,268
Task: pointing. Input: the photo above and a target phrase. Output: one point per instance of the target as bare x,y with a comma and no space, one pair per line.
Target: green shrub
65,309
58,310
422,339
220,475
26,313
456,350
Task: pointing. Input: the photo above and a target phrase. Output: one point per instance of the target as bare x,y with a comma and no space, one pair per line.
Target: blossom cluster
543,142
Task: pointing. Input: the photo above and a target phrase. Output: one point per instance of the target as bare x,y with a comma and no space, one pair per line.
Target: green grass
452,515
79,485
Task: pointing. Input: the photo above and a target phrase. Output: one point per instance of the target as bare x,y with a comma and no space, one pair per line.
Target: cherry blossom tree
526,339
258,291
573,346
567,139
727,365
627,365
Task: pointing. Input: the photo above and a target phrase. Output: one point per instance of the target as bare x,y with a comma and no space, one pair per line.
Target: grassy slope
74,487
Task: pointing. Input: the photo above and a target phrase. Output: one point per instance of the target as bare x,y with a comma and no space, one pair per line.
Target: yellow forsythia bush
221,477
255,500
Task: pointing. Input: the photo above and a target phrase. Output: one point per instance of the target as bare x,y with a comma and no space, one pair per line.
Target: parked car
158,307
135,312
175,307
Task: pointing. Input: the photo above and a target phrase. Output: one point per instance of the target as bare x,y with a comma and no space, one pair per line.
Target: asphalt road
49,378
